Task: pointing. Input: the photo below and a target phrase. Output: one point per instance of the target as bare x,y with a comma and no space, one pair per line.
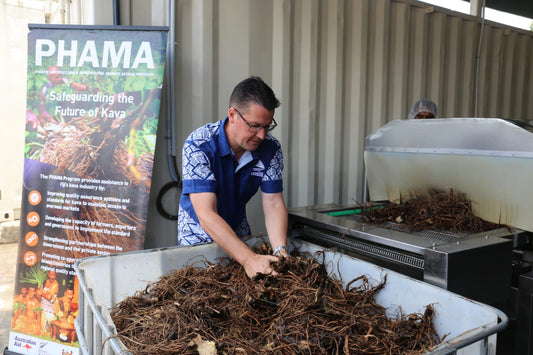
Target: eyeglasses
257,127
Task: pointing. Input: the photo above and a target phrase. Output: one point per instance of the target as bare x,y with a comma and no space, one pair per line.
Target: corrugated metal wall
342,69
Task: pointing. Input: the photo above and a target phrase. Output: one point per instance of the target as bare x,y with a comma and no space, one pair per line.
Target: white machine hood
488,159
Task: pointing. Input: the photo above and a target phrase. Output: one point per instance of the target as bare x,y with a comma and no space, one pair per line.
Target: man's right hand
258,263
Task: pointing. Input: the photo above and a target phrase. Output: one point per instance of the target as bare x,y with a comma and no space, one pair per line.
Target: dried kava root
217,309
440,211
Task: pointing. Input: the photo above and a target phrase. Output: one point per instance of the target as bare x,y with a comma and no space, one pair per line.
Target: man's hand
205,207
257,263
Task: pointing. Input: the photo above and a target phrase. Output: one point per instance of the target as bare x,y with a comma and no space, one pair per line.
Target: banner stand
93,101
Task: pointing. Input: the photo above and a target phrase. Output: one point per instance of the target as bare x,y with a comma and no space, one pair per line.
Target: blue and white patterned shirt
209,165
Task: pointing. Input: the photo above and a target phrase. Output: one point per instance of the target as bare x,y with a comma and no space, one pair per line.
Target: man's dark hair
253,90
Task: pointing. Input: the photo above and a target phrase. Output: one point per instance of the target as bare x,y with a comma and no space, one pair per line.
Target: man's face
69,294
423,115
247,122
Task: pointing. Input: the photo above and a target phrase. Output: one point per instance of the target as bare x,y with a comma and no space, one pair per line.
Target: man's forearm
276,220
221,232
225,237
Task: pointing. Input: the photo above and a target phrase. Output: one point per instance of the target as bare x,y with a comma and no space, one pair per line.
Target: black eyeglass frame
257,128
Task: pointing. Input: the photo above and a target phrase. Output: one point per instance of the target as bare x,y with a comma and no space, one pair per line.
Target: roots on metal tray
219,310
440,211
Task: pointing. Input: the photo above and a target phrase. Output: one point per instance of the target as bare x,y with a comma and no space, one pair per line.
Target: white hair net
423,105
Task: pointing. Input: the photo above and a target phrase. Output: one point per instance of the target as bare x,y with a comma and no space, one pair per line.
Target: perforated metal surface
442,235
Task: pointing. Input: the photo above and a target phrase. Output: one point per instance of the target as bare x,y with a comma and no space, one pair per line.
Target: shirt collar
246,158
223,143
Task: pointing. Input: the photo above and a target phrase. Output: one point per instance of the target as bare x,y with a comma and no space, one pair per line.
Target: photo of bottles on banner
93,100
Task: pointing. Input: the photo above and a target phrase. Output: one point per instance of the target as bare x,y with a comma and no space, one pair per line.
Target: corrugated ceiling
517,7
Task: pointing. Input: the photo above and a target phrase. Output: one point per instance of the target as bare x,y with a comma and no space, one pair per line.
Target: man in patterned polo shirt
224,164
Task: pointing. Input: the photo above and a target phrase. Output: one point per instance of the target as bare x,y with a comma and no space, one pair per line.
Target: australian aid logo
24,344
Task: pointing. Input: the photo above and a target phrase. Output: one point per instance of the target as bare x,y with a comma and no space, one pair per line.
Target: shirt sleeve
197,170
272,180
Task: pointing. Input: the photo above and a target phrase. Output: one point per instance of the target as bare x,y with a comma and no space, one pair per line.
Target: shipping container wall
342,69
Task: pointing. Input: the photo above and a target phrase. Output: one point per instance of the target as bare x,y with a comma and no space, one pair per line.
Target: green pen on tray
343,213
349,212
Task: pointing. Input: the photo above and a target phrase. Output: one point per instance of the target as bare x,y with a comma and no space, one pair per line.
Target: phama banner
93,100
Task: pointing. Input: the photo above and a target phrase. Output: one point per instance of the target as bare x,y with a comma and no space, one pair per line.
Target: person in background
48,295
29,319
422,109
224,164
19,305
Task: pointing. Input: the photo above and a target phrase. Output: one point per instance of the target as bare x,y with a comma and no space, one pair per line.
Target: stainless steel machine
490,161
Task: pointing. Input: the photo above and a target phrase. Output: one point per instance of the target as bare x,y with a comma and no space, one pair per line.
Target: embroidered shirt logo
258,169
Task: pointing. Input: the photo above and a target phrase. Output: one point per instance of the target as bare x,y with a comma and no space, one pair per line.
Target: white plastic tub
470,326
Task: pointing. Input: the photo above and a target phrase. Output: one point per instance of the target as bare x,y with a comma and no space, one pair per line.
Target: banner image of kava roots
92,114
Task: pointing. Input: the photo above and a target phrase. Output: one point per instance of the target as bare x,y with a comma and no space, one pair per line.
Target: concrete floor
8,257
